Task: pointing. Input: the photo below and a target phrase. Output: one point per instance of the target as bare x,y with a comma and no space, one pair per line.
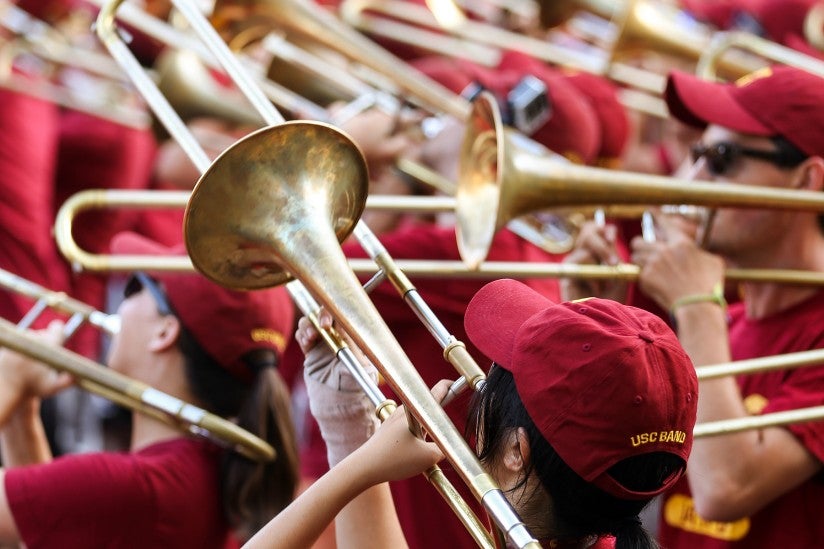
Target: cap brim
699,102
496,313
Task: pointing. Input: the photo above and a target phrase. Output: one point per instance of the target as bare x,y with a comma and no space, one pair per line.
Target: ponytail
630,534
252,492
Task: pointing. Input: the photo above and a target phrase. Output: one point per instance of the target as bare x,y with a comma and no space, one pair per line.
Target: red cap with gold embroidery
774,101
602,381
227,324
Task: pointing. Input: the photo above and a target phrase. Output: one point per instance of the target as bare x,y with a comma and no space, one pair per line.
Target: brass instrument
306,20
501,179
109,384
708,69
727,426
198,80
384,408
116,198
47,299
474,33
42,40
315,215
814,357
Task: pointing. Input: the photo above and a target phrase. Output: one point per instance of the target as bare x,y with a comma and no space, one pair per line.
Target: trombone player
752,489
195,341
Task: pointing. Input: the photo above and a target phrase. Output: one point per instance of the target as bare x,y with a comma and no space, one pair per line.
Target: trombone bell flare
280,166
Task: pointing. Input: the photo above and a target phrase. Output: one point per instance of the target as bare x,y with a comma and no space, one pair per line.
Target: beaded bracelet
717,296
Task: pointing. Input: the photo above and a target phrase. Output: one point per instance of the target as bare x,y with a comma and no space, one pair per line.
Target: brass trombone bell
185,82
502,177
281,165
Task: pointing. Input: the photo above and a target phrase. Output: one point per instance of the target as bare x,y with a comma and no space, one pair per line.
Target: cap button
646,336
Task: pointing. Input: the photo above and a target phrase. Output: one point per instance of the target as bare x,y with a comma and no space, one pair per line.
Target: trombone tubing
384,408
59,301
421,401
728,426
136,395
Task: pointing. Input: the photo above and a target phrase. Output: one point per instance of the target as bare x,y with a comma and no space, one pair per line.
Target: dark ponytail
253,492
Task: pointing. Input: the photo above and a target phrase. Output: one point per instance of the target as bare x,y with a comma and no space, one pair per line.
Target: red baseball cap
602,381
612,116
572,130
777,100
226,323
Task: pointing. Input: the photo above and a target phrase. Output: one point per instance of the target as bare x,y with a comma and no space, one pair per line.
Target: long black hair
576,509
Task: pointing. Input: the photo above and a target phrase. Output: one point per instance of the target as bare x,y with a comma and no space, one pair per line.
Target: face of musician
750,236
146,333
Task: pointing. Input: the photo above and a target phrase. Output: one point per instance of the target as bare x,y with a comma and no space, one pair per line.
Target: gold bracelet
717,297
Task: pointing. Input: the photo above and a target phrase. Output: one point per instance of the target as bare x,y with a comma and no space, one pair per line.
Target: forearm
729,474
370,520
300,524
23,439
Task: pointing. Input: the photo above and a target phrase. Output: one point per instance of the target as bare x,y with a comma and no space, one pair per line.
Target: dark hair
577,508
253,492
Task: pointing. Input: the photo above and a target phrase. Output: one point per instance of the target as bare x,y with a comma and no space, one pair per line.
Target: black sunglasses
724,155
138,281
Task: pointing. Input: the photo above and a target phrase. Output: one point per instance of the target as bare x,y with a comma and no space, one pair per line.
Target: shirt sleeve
803,388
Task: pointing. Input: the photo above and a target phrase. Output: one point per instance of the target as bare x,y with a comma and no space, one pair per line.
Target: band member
196,341
587,413
748,489
755,139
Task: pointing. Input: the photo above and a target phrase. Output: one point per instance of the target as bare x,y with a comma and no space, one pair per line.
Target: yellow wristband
717,296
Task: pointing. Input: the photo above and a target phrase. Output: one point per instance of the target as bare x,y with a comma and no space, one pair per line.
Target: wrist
715,298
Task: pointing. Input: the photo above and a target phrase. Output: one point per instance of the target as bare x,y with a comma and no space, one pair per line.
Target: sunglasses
722,156
138,281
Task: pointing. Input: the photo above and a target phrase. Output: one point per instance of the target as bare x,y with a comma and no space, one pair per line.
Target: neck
147,431
166,374
801,253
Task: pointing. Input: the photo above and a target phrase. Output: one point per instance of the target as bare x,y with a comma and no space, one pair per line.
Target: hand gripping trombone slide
253,256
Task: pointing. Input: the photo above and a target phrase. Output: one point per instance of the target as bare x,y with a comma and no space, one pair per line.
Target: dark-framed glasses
140,280
722,156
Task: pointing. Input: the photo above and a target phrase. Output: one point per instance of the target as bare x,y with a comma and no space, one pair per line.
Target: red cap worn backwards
776,100
227,324
602,381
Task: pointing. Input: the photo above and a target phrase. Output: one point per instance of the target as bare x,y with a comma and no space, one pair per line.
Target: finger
325,319
440,389
54,332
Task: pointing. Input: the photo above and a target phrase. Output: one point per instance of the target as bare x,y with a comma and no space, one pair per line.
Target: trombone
501,179
415,268
754,365
474,33
259,254
707,67
112,385
39,38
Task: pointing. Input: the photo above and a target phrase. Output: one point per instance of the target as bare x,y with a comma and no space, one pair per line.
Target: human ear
165,337
516,451
811,174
